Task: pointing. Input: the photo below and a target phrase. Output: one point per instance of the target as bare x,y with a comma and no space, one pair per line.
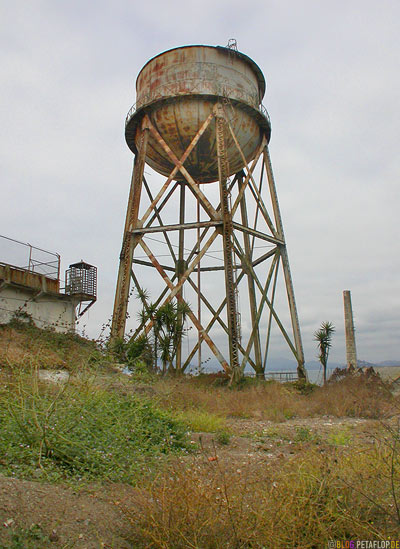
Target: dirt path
89,518
256,442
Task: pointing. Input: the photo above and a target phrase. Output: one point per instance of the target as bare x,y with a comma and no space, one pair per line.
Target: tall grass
202,421
322,494
278,402
23,346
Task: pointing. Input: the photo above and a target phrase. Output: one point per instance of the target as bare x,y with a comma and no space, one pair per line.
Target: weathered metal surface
216,318
201,109
202,69
257,234
126,256
10,274
178,90
250,281
81,281
186,175
176,227
175,292
181,266
227,229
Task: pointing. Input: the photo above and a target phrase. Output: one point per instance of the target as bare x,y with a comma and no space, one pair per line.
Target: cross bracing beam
177,227
239,240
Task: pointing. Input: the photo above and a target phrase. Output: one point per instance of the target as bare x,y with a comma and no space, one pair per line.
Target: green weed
81,432
340,437
202,421
289,414
304,434
223,437
27,538
272,433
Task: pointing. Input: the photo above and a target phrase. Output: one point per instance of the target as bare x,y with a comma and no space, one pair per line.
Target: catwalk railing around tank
264,112
132,111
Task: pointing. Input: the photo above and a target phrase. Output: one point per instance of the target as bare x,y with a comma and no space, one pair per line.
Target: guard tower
207,224
81,285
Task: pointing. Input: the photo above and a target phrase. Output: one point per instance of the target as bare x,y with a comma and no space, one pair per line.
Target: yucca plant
168,327
323,337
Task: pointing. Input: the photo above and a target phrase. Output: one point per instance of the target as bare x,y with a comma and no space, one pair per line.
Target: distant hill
389,363
287,364
365,364
315,365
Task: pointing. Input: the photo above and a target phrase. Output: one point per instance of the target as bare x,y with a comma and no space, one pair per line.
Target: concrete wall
46,310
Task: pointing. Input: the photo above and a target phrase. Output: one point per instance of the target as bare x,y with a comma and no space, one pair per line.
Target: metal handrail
132,111
264,112
53,264
276,376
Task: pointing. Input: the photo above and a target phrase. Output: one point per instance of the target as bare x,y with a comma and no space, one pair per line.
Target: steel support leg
286,268
125,264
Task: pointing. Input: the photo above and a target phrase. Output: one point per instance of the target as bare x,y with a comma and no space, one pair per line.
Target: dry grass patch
351,397
320,494
278,402
23,346
265,401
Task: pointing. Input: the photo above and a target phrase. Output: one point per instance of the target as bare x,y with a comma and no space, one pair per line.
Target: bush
140,373
139,350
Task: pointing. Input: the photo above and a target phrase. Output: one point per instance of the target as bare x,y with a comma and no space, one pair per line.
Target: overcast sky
332,68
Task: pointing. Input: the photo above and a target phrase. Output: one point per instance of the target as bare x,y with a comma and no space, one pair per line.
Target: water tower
206,220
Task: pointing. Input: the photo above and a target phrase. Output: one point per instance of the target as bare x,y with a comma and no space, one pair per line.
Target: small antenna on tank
232,44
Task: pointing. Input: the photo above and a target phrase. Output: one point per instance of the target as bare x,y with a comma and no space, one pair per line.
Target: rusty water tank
179,88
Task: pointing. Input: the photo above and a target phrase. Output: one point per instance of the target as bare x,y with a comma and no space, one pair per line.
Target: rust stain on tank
178,90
